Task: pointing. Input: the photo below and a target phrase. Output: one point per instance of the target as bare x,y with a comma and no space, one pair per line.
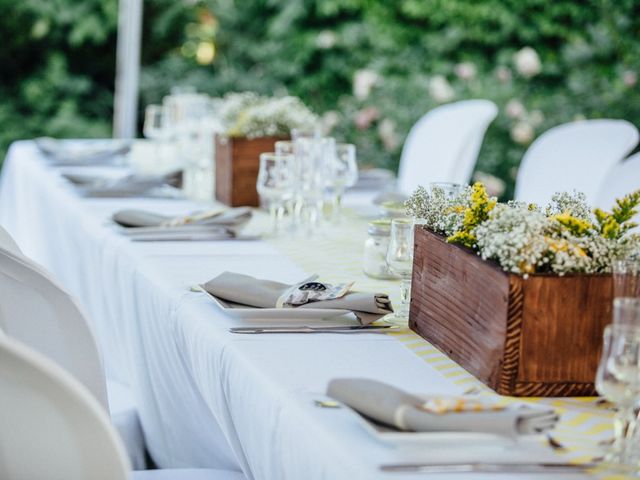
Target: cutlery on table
310,329
489,467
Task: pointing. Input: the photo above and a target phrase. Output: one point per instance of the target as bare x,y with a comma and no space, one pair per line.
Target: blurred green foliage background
371,68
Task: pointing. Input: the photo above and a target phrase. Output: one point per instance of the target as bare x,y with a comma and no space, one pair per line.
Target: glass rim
402,221
626,302
277,155
622,327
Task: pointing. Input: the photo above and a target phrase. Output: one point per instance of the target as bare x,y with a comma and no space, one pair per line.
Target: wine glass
618,381
275,185
342,174
400,262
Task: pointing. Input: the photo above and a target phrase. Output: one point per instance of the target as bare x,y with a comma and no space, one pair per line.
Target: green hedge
419,53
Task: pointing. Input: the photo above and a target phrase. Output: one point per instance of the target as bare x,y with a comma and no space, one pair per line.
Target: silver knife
310,329
482,467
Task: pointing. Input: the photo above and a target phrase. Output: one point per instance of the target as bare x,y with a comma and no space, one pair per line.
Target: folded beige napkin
142,218
393,407
254,292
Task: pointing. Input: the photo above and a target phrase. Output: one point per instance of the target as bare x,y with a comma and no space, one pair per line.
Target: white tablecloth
208,398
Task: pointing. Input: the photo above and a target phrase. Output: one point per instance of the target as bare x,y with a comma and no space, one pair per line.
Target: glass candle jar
375,250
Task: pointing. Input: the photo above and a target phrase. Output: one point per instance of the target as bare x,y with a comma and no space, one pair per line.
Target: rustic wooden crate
540,336
237,164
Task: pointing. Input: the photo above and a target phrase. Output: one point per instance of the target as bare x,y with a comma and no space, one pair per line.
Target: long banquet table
208,398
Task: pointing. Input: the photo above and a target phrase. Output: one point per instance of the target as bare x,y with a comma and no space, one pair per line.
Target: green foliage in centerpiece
251,115
564,237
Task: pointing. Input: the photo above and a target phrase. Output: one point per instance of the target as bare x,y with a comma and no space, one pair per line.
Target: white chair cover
36,310
573,156
50,425
443,145
623,178
8,243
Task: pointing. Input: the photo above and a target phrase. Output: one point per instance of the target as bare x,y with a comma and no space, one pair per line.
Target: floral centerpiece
565,236
250,115
518,294
251,125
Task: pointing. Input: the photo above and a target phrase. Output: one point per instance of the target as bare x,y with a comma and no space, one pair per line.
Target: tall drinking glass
618,380
342,174
626,278
275,185
400,262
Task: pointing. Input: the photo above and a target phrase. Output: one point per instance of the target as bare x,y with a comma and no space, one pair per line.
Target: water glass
275,185
342,170
618,381
400,262
626,278
626,311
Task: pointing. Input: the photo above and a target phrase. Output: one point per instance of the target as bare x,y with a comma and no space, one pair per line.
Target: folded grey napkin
143,218
395,408
254,292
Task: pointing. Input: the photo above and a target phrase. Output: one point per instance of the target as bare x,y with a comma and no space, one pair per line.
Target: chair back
443,145
8,243
622,178
37,311
572,156
50,425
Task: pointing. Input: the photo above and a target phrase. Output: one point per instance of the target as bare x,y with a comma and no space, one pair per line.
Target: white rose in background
522,133
465,71
503,74
329,121
388,135
363,83
527,62
536,118
440,89
326,39
495,187
515,109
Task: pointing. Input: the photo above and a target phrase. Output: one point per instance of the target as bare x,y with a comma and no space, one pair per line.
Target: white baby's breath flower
440,89
522,133
363,83
527,62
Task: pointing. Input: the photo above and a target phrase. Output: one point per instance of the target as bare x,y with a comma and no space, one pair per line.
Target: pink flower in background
630,78
365,117
363,83
522,133
465,71
388,135
515,109
495,186
440,89
527,62
503,74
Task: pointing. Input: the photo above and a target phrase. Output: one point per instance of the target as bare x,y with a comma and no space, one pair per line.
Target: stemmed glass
343,173
275,185
400,262
618,381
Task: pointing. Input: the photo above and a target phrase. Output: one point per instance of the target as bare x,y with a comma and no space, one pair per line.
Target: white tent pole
127,68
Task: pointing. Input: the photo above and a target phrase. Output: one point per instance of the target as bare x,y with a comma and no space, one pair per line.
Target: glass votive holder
626,278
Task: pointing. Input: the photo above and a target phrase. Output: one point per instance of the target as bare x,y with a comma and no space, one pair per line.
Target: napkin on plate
254,292
388,405
143,218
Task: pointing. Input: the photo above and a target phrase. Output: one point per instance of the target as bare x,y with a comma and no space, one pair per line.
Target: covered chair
573,156
443,145
622,178
36,310
8,243
51,427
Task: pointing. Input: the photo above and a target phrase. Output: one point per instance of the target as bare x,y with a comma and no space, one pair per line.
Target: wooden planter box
237,164
536,337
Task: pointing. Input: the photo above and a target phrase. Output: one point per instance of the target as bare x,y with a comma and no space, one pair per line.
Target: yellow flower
575,225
